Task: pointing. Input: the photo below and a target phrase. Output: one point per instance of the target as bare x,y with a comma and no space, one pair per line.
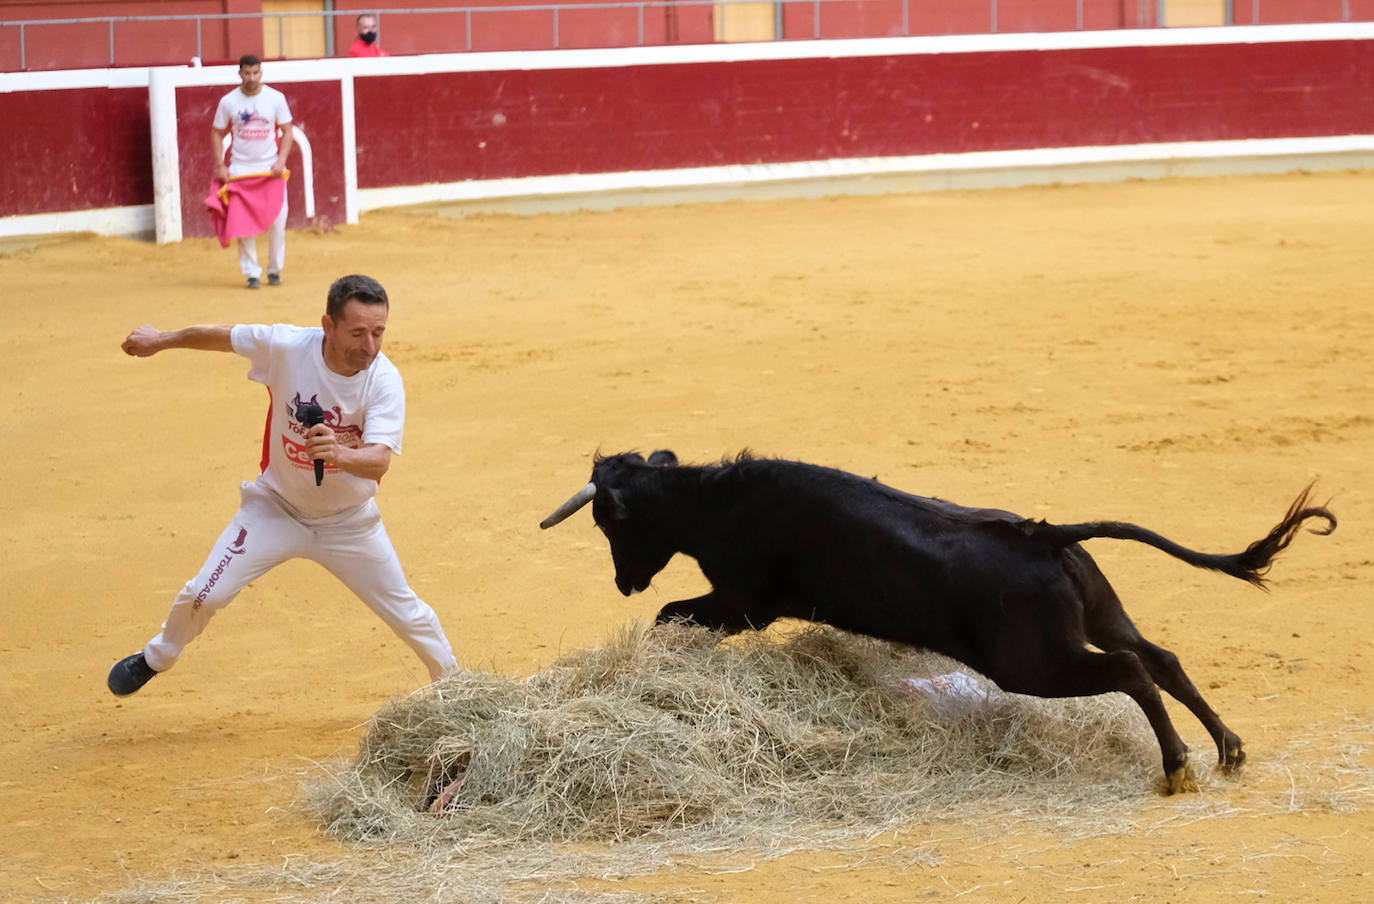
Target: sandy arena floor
1182,354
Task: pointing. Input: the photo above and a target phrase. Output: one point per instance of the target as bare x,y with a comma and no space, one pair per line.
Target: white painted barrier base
877,175
882,175
123,221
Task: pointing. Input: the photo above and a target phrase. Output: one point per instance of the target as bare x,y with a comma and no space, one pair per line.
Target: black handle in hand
310,413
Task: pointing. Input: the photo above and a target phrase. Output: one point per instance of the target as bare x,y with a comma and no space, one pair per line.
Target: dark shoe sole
253,283
129,674
274,279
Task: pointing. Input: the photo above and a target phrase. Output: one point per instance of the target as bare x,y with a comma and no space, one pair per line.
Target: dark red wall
79,46
1287,12
526,30
87,45
544,122
315,106
883,18
96,152
84,149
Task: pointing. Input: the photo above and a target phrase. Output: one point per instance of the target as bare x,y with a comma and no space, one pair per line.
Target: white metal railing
466,12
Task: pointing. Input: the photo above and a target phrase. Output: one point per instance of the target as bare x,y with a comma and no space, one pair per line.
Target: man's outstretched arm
149,340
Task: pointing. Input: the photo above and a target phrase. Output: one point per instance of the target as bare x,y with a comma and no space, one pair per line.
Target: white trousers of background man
352,545
276,248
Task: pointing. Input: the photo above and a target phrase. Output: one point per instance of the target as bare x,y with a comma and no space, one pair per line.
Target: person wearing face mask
365,45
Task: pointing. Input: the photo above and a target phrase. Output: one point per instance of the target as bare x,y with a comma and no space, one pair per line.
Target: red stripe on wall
452,127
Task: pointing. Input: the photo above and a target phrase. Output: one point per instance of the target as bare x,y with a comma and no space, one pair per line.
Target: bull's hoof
1181,780
1232,757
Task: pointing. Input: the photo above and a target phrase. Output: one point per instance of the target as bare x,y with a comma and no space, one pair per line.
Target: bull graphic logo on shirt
237,547
310,413
305,415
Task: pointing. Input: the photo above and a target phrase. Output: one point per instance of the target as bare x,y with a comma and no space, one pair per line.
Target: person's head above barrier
250,74
367,28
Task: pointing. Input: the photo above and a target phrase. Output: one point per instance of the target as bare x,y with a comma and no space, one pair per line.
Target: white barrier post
349,123
162,115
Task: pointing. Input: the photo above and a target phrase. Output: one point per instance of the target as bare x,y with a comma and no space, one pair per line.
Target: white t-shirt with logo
368,407
253,122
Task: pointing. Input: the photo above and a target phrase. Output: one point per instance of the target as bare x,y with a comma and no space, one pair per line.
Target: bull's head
639,549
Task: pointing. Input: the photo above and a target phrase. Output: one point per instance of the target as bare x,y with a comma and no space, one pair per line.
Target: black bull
1017,600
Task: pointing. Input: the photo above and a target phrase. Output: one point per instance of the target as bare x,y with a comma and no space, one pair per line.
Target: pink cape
245,205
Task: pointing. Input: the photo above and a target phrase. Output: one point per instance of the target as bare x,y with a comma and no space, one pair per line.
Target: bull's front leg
716,611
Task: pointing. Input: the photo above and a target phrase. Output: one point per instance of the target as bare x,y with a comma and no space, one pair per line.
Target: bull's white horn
579,499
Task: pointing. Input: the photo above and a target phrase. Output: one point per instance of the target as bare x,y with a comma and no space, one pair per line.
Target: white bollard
162,115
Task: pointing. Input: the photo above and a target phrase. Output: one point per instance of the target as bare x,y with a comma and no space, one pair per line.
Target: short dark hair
249,59
356,287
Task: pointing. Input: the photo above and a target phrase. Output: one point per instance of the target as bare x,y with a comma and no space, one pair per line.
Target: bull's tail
1251,565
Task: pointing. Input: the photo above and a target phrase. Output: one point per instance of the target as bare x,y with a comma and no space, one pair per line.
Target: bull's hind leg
1084,673
1166,671
1110,628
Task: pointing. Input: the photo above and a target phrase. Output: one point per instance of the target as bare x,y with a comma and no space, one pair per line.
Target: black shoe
129,674
274,279
253,282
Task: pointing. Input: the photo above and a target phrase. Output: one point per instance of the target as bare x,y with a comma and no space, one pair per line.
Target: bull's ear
609,471
663,458
609,505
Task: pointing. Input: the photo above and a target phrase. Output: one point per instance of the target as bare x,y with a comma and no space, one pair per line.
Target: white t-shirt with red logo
253,122
368,407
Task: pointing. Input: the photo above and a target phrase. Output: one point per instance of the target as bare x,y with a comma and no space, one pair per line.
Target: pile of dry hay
683,751
675,730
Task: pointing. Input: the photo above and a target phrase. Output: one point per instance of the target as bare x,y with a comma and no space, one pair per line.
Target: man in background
253,113
366,44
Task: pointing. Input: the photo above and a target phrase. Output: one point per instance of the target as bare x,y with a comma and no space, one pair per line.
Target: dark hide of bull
1015,599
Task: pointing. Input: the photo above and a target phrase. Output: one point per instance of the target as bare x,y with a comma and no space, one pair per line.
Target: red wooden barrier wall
88,148
486,125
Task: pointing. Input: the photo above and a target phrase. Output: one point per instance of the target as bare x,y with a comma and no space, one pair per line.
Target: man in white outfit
336,418
253,113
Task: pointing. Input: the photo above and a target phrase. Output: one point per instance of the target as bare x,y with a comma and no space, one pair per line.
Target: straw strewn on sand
678,746
669,730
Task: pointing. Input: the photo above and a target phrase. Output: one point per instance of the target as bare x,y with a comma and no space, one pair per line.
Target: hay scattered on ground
671,730
674,748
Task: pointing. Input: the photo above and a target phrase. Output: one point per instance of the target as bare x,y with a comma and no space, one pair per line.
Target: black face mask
369,37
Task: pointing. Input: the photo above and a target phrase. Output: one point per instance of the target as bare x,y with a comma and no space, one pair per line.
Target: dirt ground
1183,354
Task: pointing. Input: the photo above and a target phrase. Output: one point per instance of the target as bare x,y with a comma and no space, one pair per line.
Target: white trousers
276,248
353,546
